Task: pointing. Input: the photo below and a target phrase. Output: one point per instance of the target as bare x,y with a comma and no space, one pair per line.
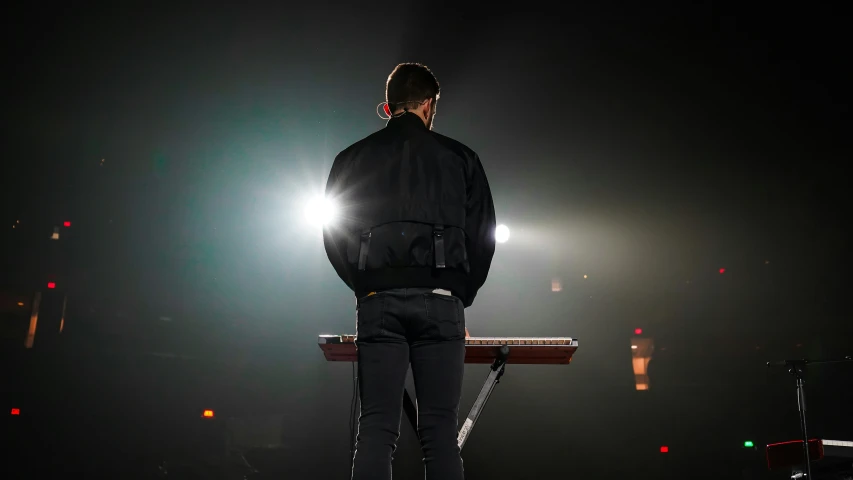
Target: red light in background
722,271
51,285
207,414
66,224
638,331
16,411
664,449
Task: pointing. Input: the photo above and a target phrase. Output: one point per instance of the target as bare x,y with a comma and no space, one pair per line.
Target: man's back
411,190
405,166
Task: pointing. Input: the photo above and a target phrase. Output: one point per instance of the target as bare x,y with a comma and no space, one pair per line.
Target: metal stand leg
497,371
797,371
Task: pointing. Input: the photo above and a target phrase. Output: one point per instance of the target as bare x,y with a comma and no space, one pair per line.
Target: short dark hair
410,83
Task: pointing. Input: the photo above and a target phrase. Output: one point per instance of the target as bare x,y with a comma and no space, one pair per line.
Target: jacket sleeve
480,226
335,235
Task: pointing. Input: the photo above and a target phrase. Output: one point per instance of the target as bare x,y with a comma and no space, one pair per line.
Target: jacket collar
408,119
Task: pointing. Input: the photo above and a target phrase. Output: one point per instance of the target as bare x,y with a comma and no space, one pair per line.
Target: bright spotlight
502,233
320,211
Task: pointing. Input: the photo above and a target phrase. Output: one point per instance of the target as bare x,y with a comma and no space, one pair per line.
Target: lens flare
321,211
502,234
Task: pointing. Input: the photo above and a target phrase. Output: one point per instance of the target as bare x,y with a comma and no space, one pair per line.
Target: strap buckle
438,237
363,249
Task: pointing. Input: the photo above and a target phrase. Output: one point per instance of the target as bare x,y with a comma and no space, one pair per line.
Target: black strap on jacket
362,251
438,237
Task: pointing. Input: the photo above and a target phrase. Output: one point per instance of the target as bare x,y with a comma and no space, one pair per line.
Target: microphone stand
797,369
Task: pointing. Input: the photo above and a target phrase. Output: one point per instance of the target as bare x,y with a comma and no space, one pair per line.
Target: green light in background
748,444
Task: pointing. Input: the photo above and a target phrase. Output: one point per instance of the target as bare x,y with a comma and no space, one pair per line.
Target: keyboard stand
496,371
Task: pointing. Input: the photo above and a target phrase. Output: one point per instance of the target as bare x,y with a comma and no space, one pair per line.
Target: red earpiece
384,109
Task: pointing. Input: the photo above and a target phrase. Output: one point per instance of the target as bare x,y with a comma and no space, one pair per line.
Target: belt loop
438,236
362,251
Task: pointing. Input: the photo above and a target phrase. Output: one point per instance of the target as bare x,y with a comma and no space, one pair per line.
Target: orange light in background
51,285
642,349
16,411
62,318
66,224
20,304
34,318
556,285
664,449
207,414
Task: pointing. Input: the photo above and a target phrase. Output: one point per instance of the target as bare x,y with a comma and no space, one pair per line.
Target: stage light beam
321,211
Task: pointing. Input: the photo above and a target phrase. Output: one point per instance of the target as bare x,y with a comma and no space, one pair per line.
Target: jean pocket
369,316
446,315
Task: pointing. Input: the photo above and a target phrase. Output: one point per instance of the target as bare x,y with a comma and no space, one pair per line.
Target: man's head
412,87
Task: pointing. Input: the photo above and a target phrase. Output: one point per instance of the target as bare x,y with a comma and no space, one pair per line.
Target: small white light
502,233
633,347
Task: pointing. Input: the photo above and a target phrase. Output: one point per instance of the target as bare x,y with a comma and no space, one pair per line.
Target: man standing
414,241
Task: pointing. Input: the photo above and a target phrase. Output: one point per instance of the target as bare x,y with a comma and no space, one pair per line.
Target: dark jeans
395,328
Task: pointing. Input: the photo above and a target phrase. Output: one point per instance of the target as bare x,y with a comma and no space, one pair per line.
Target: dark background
645,147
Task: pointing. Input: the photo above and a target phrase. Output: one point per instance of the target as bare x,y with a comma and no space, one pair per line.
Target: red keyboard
787,454
522,350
